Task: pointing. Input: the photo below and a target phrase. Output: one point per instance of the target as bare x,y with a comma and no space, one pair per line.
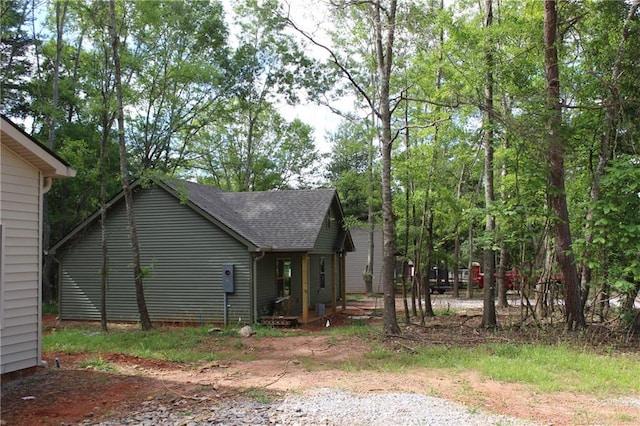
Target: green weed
259,395
98,363
49,308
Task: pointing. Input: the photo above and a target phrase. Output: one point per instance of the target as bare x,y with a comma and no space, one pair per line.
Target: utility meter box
227,278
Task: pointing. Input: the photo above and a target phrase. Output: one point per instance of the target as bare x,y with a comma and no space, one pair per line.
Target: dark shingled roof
273,220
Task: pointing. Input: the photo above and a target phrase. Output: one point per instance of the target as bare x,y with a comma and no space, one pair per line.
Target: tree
60,15
145,320
354,172
383,17
253,146
348,169
489,307
608,123
178,82
15,44
380,17
282,154
574,316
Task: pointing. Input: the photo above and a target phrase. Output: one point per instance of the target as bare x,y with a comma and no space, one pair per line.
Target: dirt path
71,394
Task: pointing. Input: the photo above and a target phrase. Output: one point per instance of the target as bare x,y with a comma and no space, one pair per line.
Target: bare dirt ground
72,394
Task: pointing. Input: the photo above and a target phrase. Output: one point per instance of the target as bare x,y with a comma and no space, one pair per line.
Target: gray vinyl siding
324,248
316,293
327,236
357,260
266,286
20,263
182,253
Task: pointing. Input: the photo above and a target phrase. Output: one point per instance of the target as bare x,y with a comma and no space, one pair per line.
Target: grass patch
548,368
183,345
260,395
543,367
561,368
98,363
49,308
445,311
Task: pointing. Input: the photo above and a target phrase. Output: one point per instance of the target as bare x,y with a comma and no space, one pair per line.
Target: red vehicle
511,278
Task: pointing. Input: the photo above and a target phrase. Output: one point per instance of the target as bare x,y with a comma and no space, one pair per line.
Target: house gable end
182,254
135,187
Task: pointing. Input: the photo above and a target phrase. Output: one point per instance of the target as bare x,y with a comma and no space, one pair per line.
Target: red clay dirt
72,394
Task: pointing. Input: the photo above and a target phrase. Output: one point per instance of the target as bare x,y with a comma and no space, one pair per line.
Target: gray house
210,255
26,172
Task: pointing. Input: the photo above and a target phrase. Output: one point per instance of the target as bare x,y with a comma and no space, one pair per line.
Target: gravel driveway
321,406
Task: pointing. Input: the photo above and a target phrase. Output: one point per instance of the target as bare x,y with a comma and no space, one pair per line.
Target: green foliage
614,226
349,171
49,308
253,147
183,47
72,200
15,44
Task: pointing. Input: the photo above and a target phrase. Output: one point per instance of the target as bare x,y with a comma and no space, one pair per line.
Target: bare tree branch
336,60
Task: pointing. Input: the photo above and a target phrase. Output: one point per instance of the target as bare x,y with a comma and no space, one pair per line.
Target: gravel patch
321,406
631,402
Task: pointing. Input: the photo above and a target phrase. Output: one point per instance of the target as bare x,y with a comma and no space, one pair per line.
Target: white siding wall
20,267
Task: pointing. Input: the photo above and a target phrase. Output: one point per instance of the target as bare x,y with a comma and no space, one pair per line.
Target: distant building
357,261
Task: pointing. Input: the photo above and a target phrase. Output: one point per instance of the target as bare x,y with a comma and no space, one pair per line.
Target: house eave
18,141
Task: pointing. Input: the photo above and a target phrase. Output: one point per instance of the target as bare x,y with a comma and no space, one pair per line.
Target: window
283,277
322,273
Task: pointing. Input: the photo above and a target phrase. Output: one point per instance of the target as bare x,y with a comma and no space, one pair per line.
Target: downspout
256,258
47,182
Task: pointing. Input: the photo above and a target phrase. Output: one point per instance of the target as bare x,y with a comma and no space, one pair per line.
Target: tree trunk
502,265
47,267
470,264
428,307
145,320
370,218
384,56
456,263
407,200
489,307
501,270
574,315
104,271
543,285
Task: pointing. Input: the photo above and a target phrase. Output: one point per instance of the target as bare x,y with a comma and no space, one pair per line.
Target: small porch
282,318
355,308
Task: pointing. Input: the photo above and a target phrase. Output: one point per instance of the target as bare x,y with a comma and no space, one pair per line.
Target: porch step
280,321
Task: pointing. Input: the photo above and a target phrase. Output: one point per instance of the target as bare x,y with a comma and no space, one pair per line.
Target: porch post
334,282
305,288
